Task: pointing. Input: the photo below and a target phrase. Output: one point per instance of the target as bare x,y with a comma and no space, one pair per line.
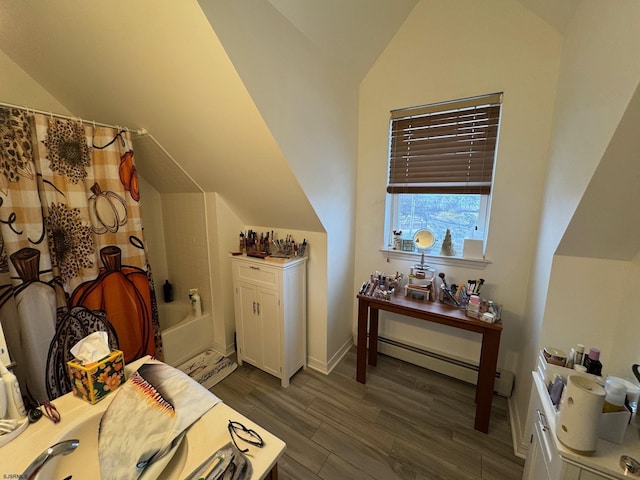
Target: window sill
478,264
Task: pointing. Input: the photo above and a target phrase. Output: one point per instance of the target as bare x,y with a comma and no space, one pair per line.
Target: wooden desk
368,309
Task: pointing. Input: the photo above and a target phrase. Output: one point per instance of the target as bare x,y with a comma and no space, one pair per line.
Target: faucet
63,448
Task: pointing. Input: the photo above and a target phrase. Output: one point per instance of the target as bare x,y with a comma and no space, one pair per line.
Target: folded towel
148,418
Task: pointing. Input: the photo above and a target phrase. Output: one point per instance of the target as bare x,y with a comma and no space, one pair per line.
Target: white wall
625,348
596,81
224,228
18,88
185,233
497,46
153,229
311,110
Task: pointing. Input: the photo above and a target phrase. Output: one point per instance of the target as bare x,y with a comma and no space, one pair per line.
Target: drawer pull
254,310
254,268
258,305
541,419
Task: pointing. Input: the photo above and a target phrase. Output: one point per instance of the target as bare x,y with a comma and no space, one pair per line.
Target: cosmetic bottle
15,405
592,362
579,355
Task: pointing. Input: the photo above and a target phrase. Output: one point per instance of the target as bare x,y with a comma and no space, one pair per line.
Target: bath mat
208,368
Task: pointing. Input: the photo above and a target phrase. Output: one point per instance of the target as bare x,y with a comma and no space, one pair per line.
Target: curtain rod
135,131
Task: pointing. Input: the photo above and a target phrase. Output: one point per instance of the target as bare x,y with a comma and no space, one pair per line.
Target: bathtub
183,335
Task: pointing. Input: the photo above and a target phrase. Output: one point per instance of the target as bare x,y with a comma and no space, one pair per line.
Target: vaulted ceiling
160,65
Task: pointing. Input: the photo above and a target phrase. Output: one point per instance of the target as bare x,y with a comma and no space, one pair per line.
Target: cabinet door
249,328
270,327
535,467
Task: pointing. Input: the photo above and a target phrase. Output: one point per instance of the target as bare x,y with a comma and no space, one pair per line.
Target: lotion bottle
15,405
196,306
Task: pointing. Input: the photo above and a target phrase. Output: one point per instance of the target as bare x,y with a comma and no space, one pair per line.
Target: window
441,161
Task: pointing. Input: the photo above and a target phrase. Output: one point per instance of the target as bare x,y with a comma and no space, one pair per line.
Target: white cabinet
543,460
548,459
271,314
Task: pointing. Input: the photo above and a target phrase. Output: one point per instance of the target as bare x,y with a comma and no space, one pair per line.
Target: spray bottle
15,405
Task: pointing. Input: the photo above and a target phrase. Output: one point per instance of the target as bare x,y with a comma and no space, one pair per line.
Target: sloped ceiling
159,65
556,13
606,223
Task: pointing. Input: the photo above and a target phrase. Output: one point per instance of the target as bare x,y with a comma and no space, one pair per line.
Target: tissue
95,371
91,348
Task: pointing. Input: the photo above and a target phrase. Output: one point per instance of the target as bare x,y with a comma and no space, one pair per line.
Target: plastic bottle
616,394
168,292
579,355
592,362
196,306
15,405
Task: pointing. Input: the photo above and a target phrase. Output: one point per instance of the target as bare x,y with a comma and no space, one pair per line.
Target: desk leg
361,358
373,336
486,379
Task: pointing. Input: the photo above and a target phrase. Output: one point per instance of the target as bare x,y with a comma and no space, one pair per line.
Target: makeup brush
441,275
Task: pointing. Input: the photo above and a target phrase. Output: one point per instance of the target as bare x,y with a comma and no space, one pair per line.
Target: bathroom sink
83,462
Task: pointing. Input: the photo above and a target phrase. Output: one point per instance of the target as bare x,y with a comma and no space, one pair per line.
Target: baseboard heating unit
445,364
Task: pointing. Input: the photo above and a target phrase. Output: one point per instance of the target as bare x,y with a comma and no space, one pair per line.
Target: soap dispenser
15,405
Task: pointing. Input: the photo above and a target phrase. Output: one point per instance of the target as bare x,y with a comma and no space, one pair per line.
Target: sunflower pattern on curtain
71,229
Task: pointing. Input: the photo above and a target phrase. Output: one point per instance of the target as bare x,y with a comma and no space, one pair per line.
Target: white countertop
606,458
204,437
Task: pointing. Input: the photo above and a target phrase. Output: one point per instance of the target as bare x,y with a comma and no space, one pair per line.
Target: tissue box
92,382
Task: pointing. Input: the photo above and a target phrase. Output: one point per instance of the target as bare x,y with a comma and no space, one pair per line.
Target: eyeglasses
246,434
50,411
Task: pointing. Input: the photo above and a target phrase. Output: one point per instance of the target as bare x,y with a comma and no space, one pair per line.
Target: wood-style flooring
407,422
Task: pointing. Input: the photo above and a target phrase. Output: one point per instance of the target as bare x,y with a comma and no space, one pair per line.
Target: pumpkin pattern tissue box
94,381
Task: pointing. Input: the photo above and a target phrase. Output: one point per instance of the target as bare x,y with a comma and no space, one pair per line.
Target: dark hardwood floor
407,422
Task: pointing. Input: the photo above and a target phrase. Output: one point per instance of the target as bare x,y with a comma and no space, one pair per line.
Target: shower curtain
72,257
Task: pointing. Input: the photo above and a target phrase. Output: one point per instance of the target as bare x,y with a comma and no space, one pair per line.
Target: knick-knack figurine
447,245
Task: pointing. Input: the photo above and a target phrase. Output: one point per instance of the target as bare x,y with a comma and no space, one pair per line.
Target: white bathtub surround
208,368
184,336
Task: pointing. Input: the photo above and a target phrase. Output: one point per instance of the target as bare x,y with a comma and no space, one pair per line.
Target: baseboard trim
327,368
520,448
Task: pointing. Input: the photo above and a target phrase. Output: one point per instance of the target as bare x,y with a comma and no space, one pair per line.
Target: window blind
444,148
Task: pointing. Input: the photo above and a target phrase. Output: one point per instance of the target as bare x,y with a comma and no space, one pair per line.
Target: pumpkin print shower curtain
72,257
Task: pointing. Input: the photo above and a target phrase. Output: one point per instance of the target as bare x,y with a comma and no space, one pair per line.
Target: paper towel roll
579,414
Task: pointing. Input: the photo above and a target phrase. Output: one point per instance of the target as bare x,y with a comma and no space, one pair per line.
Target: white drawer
257,274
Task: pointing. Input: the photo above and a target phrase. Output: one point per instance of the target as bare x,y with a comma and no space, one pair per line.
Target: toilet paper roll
579,414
